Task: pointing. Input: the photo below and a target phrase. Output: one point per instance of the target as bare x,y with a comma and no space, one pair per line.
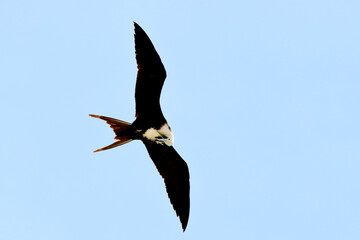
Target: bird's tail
119,127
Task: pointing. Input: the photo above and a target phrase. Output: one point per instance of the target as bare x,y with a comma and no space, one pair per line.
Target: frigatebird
151,127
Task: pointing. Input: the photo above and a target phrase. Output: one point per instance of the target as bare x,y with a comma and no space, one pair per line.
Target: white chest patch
161,136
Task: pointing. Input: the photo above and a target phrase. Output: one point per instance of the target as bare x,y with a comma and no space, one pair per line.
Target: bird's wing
151,74
175,172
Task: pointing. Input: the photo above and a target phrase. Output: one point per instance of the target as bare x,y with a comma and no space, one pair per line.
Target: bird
151,127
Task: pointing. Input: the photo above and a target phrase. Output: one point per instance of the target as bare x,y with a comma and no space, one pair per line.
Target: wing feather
175,173
151,74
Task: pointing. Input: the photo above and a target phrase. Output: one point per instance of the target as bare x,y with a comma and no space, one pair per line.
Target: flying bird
151,127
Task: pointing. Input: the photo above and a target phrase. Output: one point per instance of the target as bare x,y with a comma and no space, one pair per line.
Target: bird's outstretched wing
150,77
175,172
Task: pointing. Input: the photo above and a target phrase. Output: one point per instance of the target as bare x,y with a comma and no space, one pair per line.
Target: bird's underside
151,127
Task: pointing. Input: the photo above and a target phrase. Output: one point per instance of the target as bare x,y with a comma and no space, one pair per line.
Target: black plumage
151,127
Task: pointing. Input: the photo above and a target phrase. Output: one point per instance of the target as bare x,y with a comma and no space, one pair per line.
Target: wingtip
184,225
136,25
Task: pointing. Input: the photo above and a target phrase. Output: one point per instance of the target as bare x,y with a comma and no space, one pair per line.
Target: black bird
151,127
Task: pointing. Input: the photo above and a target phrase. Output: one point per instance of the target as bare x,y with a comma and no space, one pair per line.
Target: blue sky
262,97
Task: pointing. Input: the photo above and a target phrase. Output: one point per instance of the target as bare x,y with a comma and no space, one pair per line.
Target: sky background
262,96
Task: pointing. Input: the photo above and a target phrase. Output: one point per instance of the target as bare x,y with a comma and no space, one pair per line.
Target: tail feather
118,127
115,144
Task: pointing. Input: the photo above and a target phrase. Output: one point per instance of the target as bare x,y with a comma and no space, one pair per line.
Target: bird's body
151,127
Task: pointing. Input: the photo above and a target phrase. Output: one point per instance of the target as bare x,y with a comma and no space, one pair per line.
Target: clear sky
263,98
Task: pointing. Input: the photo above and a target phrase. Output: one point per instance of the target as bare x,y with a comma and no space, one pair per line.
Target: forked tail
118,127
